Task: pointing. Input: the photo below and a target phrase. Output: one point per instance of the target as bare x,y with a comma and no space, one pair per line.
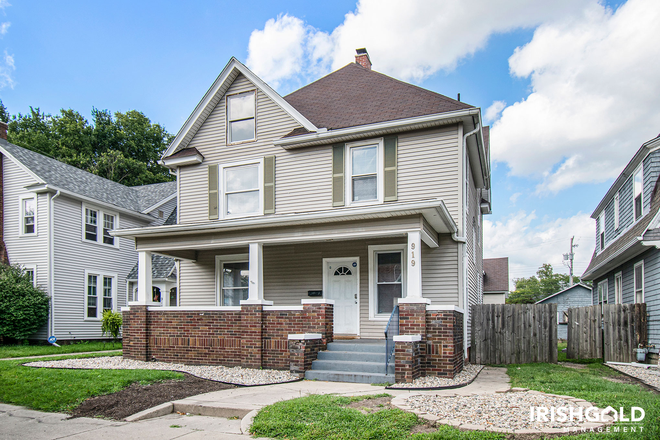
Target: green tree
535,288
23,307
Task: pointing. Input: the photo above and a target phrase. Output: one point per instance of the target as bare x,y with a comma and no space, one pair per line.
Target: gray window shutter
390,171
213,192
269,185
338,175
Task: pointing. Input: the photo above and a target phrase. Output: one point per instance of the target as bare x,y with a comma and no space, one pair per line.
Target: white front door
342,281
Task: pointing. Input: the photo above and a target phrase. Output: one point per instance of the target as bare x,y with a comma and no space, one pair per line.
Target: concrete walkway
118,351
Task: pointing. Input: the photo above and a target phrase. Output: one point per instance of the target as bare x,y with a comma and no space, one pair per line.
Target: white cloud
514,197
7,68
530,243
493,112
410,42
4,4
4,27
594,80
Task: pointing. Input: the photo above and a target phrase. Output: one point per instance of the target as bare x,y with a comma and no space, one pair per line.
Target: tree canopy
535,288
124,147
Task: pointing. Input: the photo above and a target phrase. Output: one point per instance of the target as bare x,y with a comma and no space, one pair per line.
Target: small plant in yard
23,307
111,324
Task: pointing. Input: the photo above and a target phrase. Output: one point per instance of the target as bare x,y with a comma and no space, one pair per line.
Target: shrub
111,324
23,307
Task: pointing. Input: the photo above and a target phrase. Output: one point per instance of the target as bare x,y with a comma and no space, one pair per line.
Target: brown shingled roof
496,278
354,96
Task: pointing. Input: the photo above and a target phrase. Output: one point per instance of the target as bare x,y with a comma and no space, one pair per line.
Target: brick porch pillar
303,350
318,315
135,333
444,335
412,321
251,335
408,360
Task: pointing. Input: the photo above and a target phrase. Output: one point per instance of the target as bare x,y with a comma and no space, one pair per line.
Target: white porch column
414,262
256,274
144,279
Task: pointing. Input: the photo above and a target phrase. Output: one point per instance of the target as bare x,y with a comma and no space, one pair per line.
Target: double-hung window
618,288
28,215
100,295
386,278
241,117
364,179
616,211
233,279
638,192
639,282
30,271
242,190
601,230
602,292
97,225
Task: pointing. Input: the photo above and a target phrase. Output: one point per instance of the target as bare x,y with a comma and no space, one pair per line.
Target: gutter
324,136
51,262
587,275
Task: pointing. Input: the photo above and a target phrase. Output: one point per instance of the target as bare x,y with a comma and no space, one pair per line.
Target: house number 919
412,254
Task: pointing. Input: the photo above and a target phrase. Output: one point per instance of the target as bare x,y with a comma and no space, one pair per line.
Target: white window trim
640,169
618,296
616,211
219,261
221,186
373,316
99,293
380,172
33,268
99,225
640,263
227,121
605,292
602,244
327,261
21,211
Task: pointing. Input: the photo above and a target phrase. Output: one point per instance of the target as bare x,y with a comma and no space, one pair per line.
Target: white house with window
625,264
357,190
56,225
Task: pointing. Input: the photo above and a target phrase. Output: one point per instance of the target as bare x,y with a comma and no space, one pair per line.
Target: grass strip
327,417
12,351
590,383
61,390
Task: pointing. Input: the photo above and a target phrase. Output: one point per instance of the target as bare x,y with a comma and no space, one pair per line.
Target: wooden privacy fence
607,331
514,333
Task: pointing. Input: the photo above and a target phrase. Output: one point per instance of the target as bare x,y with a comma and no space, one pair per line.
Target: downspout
51,265
463,240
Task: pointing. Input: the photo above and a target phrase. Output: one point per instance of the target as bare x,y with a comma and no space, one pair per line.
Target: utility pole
569,258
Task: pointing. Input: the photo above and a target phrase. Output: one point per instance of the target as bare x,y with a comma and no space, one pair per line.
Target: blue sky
567,121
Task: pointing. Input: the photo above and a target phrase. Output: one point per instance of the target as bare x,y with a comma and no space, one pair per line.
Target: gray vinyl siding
166,209
292,270
578,296
474,250
28,249
651,288
427,163
73,256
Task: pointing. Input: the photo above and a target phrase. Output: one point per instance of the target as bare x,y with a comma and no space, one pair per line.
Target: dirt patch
572,365
369,406
138,397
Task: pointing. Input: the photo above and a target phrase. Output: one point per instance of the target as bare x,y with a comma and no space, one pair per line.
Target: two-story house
625,264
330,211
56,223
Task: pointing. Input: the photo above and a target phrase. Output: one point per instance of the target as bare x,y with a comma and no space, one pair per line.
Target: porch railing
391,330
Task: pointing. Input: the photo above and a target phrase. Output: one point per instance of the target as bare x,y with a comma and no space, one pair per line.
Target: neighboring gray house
578,295
496,280
56,221
625,266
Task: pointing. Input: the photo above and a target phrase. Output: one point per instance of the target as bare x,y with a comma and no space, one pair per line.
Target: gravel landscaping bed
650,375
509,411
433,382
233,375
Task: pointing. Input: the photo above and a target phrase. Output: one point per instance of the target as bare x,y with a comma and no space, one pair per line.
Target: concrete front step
360,347
346,376
352,366
352,356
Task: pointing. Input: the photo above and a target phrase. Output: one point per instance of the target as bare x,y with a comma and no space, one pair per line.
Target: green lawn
11,351
61,390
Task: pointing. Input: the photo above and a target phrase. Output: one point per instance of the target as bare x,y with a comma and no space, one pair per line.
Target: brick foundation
255,336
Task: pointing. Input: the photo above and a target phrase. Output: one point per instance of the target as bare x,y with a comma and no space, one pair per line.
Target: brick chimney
3,130
361,58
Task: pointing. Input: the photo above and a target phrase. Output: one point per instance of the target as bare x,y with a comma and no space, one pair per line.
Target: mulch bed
138,397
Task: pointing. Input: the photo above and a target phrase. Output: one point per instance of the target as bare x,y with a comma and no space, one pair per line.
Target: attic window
638,192
240,117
